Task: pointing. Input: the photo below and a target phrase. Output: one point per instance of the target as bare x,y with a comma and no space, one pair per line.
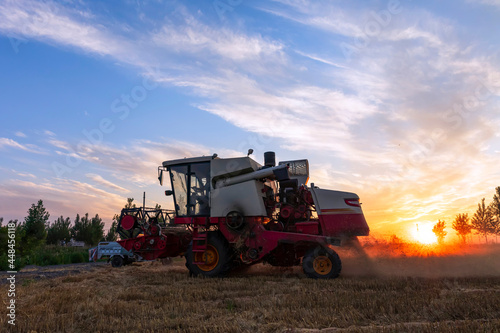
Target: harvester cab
190,181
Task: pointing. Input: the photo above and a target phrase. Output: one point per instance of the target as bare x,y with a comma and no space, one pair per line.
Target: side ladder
200,239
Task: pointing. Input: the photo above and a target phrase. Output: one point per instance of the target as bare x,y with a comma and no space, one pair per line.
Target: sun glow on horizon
422,233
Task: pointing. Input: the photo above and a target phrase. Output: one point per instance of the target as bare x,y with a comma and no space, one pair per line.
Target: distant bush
4,265
77,257
56,255
45,258
47,255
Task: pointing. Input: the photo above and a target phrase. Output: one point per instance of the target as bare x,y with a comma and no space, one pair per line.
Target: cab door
191,186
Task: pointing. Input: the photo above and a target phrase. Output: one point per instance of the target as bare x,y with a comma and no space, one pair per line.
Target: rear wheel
321,263
215,260
117,261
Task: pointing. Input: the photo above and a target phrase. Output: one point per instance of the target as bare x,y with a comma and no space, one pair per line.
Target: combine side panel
245,198
339,213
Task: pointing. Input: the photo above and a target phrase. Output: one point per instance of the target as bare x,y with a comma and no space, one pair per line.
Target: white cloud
24,174
212,49
98,179
133,168
193,37
328,16
322,60
49,133
52,22
306,117
6,142
60,144
60,196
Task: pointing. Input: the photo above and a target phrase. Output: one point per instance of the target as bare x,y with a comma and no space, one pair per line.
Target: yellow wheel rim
322,265
210,257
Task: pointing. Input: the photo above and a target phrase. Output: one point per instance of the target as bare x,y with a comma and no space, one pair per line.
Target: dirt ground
34,273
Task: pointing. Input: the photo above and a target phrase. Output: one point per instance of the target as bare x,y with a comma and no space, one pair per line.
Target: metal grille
297,168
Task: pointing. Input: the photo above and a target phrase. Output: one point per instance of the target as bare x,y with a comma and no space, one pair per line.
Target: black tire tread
225,258
307,263
117,261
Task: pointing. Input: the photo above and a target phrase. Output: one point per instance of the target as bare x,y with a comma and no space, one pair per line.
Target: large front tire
321,263
216,258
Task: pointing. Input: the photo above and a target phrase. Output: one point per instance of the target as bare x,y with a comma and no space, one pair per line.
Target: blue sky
394,100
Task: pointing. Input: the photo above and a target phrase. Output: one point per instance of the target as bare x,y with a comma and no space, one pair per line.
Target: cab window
191,185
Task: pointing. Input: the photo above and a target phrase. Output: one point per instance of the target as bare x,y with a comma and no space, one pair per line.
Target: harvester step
199,250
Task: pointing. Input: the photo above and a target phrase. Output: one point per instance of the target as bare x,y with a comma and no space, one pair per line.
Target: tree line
36,230
484,222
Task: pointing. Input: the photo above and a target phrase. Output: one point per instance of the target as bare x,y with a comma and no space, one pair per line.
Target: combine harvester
233,211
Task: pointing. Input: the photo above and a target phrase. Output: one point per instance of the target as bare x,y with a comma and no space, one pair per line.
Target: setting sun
422,233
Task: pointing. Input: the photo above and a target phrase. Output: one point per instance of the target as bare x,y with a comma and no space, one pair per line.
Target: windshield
196,178
179,180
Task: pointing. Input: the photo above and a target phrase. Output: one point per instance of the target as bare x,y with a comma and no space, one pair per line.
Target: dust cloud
375,257
381,258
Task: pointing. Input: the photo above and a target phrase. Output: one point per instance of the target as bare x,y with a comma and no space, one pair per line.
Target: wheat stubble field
396,292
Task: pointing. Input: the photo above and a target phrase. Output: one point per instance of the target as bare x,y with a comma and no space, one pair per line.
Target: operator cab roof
189,160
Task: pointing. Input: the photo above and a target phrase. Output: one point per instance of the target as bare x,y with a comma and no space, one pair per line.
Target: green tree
439,231
4,230
482,220
96,230
59,230
19,233
112,235
90,231
495,211
130,203
462,226
81,228
34,228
